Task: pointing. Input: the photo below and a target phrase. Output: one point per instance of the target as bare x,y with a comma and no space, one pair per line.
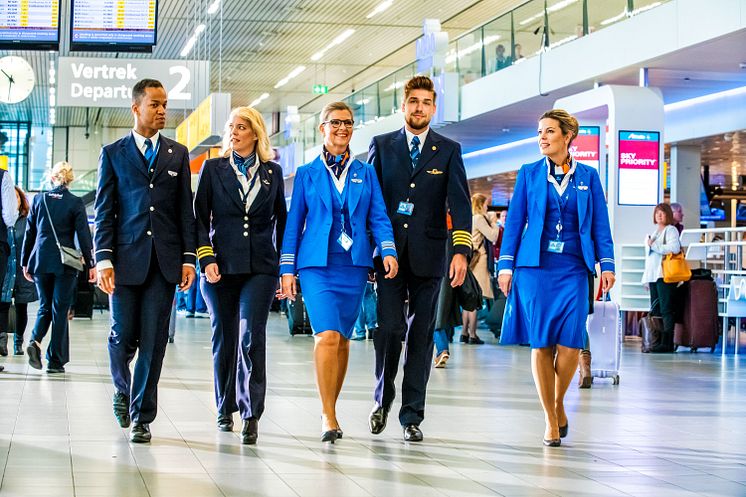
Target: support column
686,180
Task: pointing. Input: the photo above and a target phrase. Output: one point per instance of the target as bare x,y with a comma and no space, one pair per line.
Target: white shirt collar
565,181
140,140
339,183
422,136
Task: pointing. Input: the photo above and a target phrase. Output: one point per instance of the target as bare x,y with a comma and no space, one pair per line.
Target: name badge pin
357,180
265,181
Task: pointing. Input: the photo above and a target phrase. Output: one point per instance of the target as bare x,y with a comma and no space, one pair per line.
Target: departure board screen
117,25
29,24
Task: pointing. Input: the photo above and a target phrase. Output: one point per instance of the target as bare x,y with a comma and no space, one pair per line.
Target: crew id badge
345,241
405,208
556,246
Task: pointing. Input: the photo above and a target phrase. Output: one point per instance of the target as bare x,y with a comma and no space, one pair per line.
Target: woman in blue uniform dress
557,229
339,201
240,209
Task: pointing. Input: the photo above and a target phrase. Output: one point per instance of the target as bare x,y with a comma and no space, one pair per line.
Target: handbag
652,328
469,294
675,268
70,256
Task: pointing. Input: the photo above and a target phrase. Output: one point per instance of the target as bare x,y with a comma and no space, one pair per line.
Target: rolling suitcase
699,326
83,307
605,340
493,312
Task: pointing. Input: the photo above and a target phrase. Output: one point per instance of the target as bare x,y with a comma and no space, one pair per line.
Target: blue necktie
414,152
148,154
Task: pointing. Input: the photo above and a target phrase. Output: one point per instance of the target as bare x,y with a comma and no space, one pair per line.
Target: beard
418,123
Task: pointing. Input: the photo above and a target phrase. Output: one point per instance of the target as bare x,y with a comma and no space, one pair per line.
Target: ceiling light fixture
214,7
705,98
290,76
336,41
262,98
380,8
192,40
554,8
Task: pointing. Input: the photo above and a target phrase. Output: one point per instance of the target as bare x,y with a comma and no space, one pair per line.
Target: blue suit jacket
311,206
436,185
136,214
40,253
239,242
523,228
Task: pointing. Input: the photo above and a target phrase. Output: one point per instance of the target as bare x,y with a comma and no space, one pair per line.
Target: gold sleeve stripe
205,251
467,244
462,238
461,232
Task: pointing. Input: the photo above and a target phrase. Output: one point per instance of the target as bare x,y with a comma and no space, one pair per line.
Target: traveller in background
557,228
663,240
241,213
448,312
368,317
501,60
55,215
678,216
336,202
483,235
191,304
8,214
16,289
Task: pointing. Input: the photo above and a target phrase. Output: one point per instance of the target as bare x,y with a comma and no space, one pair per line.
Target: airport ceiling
264,40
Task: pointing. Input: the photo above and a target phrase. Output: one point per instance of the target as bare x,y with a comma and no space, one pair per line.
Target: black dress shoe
412,433
3,344
563,430
34,355
250,431
552,442
475,341
2,368
463,338
329,436
140,433
377,419
55,369
225,422
120,403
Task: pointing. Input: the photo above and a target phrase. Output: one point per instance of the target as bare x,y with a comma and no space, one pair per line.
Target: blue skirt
333,296
548,305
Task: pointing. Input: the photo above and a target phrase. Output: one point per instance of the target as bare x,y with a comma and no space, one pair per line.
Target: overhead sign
204,127
320,89
585,147
639,161
103,82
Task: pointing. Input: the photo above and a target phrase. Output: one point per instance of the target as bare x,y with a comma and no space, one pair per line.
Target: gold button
245,233
150,233
406,225
245,225
152,208
411,185
246,218
151,185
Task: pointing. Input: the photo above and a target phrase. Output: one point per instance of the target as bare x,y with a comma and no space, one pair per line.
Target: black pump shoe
329,436
553,442
563,430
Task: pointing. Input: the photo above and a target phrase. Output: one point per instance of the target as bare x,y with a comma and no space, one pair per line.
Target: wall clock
16,79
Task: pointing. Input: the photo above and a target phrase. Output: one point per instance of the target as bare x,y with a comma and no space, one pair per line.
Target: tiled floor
675,426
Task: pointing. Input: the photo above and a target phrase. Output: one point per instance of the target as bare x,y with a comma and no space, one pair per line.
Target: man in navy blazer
421,174
145,245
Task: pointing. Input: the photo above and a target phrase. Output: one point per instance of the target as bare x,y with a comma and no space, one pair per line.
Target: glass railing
524,32
85,183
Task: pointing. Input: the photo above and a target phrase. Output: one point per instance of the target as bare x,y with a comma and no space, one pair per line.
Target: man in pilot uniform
145,245
422,175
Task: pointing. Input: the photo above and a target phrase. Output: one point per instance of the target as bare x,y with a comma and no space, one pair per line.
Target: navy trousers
416,323
139,323
239,306
55,295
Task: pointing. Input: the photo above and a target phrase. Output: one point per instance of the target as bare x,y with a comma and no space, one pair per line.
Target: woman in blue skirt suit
556,231
337,217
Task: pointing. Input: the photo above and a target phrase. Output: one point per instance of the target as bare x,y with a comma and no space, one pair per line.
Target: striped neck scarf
337,163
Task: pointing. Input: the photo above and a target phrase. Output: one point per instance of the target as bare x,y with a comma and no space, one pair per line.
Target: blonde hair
254,119
62,174
477,202
567,122
331,107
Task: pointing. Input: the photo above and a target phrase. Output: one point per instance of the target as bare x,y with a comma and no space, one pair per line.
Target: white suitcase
605,340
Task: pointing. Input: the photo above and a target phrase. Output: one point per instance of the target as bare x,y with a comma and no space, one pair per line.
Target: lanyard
342,197
562,206
251,185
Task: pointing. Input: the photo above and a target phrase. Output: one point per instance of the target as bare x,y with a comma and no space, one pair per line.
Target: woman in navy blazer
240,210
337,207
42,264
556,230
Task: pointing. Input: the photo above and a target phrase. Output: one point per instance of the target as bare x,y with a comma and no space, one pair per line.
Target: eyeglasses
336,123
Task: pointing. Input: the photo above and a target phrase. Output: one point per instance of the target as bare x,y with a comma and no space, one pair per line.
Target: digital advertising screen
29,24
113,25
585,147
639,164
